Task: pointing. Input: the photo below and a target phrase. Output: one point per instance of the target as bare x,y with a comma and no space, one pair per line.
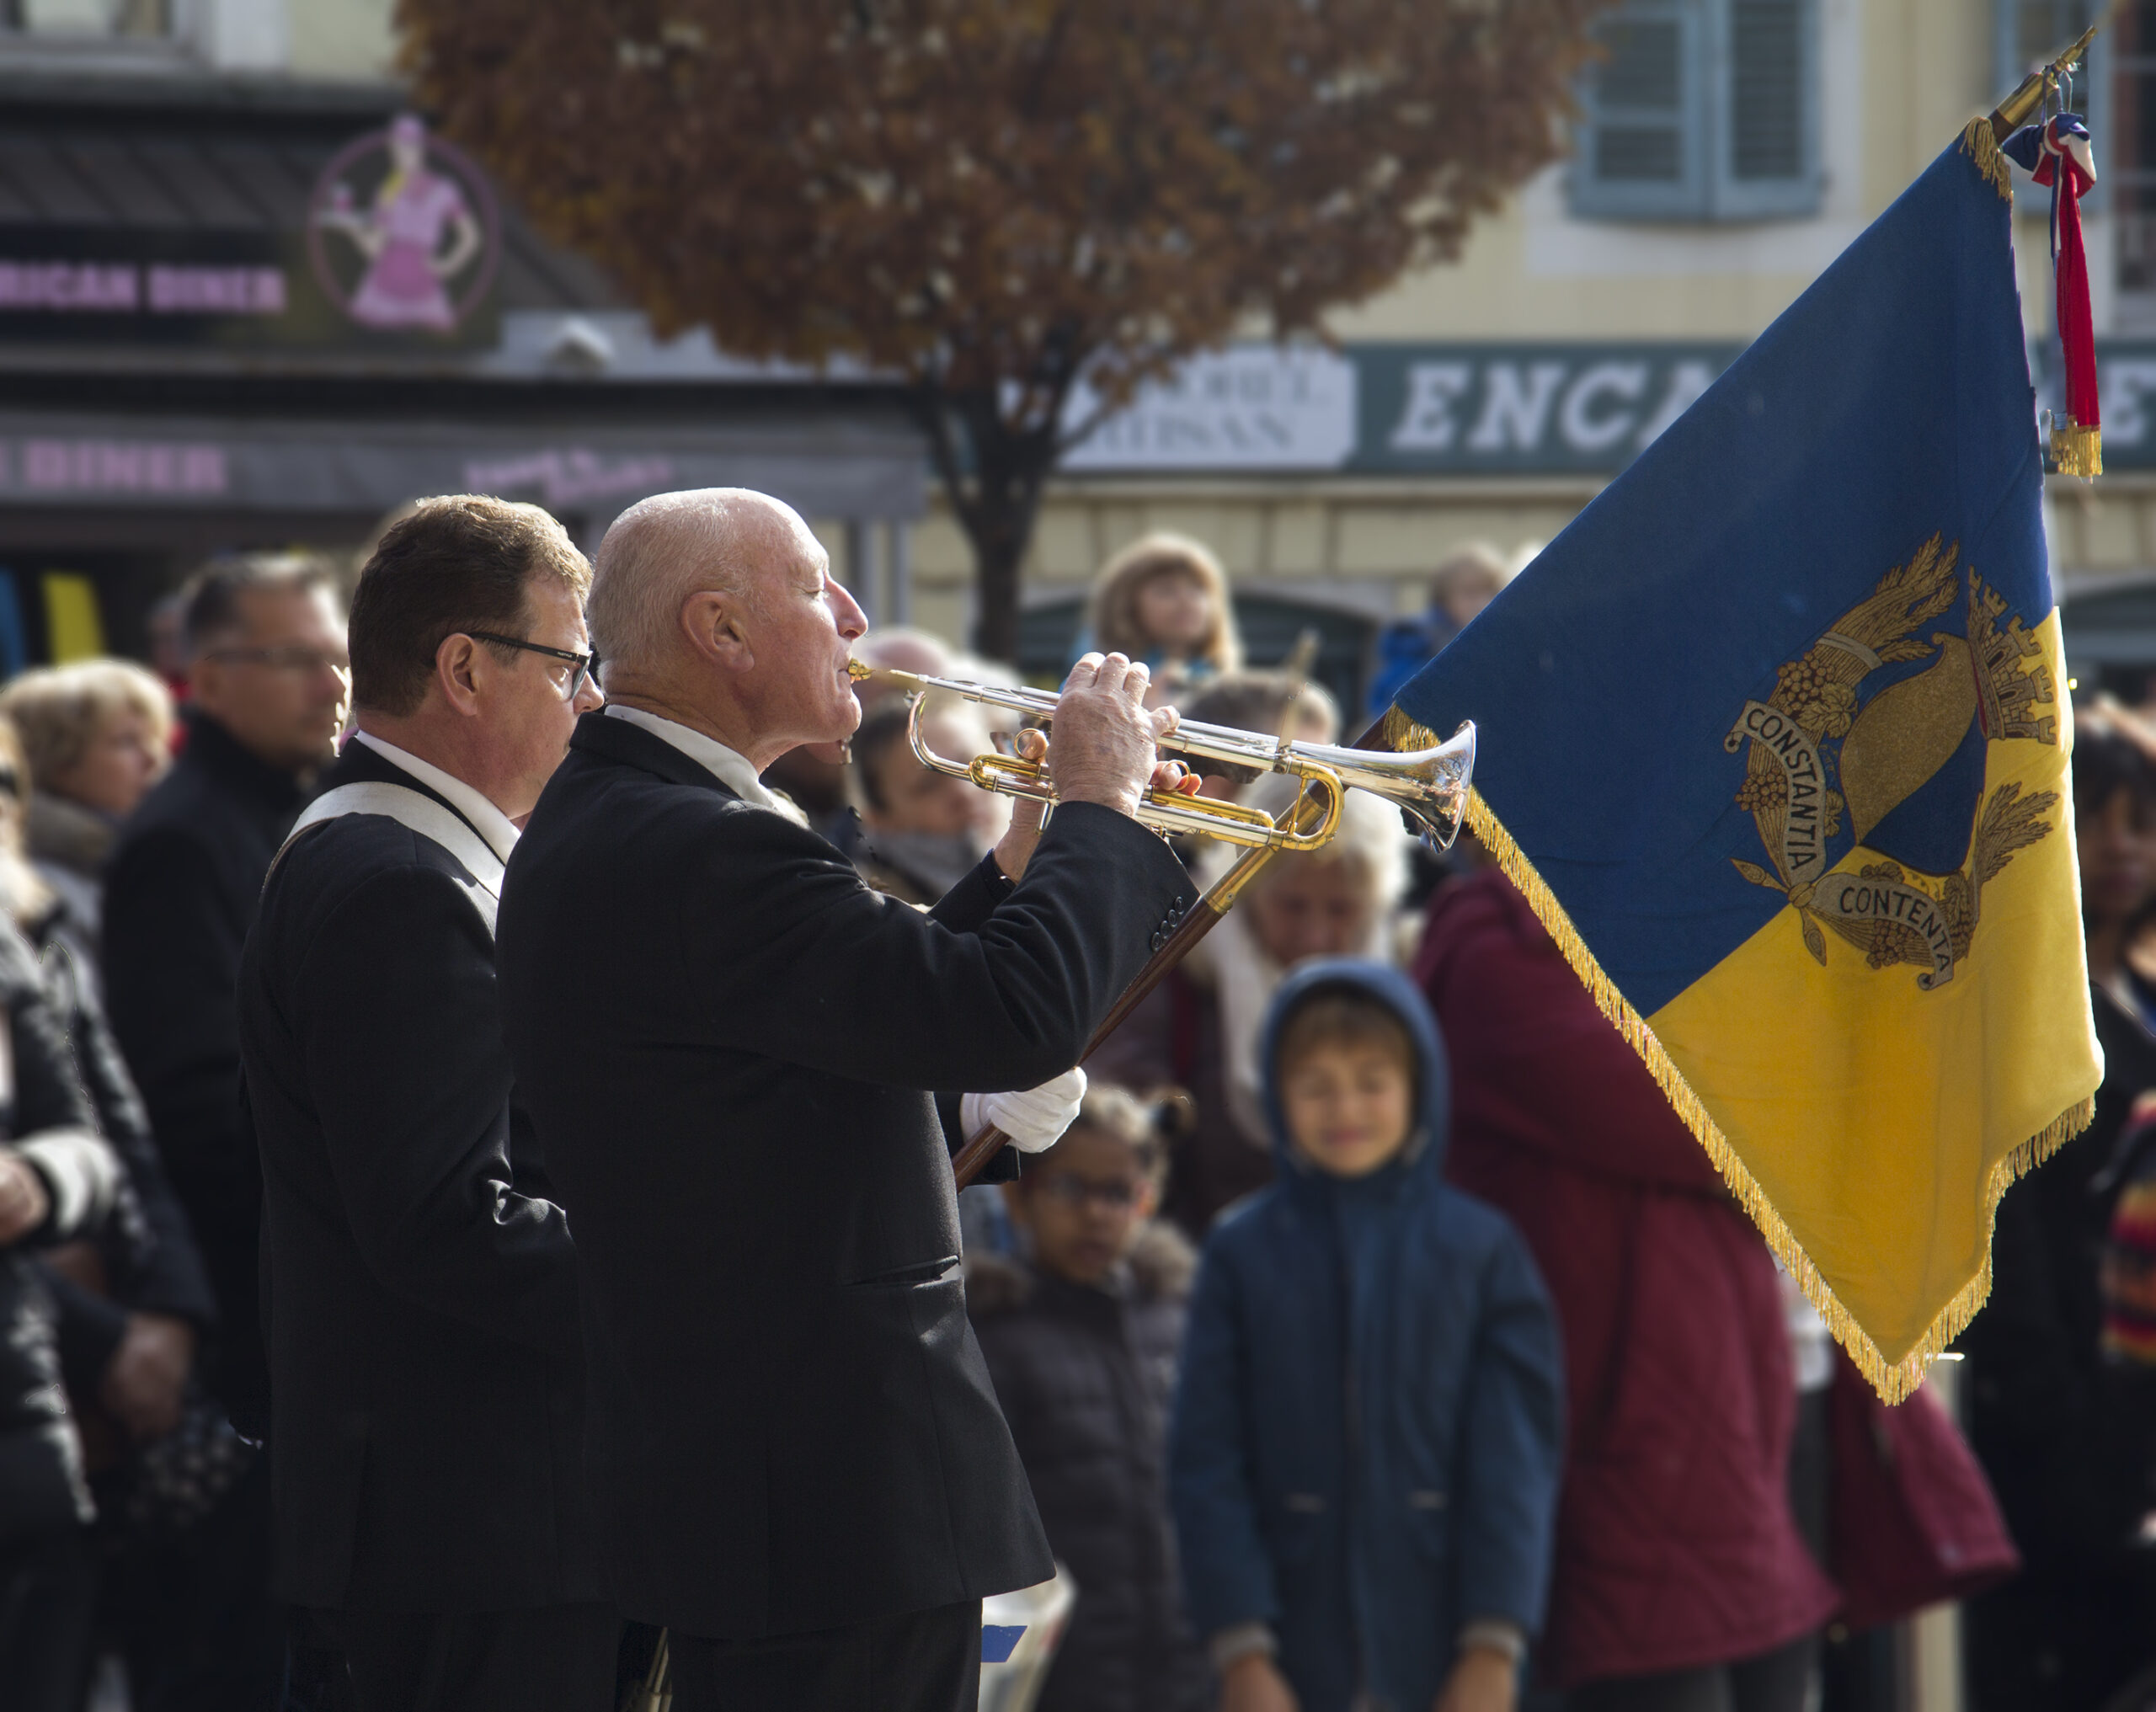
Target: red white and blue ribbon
2056,154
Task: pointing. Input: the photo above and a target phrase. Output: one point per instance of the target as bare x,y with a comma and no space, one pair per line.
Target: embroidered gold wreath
1817,758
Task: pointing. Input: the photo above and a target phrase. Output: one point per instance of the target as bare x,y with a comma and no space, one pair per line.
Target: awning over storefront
859,464
204,345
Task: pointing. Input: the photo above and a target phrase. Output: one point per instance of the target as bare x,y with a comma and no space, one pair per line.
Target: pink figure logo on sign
417,232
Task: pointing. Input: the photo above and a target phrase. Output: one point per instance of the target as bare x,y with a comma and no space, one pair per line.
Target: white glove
1034,1118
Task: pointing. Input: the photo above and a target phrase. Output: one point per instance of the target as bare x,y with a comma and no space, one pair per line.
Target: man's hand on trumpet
1106,750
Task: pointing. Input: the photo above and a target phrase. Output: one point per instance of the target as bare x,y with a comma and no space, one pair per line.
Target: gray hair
663,550
1372,836
212,610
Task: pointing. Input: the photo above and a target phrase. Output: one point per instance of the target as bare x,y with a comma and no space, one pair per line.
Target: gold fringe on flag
1894,1381
1979,143
2077,450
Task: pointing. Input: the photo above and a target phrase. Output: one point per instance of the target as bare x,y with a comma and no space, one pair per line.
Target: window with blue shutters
1701,111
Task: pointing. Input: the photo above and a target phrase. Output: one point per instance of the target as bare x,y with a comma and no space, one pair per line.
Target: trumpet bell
1430,786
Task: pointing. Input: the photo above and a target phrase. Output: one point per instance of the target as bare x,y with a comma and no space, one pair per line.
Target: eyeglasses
288,658
1119,1196
583,663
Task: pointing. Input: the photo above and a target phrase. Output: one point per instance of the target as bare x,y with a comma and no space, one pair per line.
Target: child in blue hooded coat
1365,1453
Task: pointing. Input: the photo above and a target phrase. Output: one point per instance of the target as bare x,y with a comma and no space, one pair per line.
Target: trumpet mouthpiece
859,673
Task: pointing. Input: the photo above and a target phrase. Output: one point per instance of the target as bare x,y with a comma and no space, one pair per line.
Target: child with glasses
1080,1331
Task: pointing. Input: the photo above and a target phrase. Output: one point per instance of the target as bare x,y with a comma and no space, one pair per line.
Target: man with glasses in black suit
425,1365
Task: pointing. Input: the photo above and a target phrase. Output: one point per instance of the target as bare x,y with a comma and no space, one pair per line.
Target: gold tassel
2077,450
1401,732
1894,1381
1979,143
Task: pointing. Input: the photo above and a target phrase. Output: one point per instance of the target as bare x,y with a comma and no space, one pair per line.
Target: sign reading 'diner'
400,246
1402,409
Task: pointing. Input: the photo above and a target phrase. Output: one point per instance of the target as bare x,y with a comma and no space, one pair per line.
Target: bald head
663,550
716,608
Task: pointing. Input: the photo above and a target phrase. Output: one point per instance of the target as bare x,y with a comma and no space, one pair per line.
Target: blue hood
1425,1151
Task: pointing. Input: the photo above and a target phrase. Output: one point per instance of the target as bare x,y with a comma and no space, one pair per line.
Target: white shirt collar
487,820
728,766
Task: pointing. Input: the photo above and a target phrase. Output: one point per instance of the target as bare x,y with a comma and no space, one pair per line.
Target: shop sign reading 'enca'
1476,410
1403,409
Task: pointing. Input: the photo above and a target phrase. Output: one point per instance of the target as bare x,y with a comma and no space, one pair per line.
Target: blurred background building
194,359
198,355
1728,150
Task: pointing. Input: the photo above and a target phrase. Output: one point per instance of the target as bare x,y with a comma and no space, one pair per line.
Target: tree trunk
992,477
996,565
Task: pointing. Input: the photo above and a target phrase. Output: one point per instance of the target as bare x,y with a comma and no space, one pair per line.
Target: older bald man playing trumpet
732,1047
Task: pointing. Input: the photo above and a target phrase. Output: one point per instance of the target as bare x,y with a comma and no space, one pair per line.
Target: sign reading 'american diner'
400,246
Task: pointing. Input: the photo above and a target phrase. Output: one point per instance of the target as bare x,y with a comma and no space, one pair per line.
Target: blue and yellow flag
1773,738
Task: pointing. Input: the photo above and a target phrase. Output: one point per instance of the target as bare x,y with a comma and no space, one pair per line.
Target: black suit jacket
792,1428
179,899
420,1296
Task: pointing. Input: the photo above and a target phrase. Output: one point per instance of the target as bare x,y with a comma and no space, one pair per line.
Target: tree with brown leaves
993,199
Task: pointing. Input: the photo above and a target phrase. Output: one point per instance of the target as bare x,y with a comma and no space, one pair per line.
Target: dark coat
726,1039
179,898
1367,1439
151,1264
41,1489
425,1365
2038,1390
1677,1546
1084,1375
2055,1426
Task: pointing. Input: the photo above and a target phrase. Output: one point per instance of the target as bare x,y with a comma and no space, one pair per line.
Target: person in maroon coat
1682,1579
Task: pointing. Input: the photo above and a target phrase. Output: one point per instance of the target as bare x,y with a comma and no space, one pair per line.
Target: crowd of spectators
129,880
1378,1337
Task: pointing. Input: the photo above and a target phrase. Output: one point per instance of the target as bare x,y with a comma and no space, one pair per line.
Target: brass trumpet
1429,785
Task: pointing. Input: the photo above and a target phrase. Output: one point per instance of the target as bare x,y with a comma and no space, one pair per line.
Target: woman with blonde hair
96,735
1164,600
